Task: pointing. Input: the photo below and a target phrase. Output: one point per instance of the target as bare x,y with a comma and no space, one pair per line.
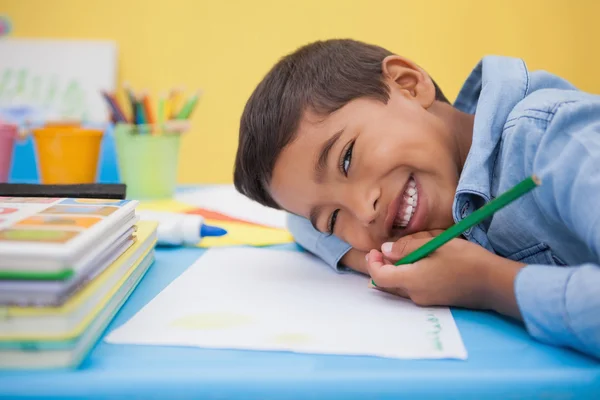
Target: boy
362,147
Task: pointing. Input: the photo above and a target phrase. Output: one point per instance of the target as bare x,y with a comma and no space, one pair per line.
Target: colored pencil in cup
139,111
189,106
148,113
472,220
167,109
161,116
114,106
175,101
132,101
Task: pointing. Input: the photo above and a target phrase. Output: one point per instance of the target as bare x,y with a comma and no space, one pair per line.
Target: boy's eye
331,224
346,159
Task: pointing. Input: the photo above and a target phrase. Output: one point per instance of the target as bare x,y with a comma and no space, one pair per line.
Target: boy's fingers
402,247
385,275
395,291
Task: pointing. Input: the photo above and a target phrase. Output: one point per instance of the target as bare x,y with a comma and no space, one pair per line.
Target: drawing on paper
25,95
292,338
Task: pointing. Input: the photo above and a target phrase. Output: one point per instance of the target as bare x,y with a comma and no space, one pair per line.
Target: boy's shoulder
543,123
543,104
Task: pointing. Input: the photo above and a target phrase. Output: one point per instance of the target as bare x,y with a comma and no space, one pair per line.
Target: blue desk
503,363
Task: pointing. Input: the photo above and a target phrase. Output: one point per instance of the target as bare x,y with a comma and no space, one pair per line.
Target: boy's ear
406,76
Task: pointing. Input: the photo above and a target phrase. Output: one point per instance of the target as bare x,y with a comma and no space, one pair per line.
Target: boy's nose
366,208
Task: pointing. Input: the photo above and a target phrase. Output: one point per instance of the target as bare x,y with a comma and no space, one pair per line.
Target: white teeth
410,201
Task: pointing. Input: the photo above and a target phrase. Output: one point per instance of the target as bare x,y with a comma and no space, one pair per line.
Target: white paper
226,200
259,299
46,79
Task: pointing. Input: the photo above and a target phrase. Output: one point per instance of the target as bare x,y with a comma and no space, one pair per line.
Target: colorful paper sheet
239,232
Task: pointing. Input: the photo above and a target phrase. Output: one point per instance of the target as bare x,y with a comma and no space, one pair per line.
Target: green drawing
434,332
51,91
21,79
70,100
4,82
39,92
35,89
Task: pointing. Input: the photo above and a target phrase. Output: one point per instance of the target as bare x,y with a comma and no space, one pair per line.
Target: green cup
148,161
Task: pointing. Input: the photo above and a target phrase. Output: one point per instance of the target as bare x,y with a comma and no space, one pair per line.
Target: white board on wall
42,79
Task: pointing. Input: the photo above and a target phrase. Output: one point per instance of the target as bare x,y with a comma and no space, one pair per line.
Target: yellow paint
292,338
246,234
211,321
225,47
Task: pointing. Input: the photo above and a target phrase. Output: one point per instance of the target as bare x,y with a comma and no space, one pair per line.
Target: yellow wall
225,47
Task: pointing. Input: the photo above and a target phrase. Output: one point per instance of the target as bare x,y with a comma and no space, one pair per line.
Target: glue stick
180,229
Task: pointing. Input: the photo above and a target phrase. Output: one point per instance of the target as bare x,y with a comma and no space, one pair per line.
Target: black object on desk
116,191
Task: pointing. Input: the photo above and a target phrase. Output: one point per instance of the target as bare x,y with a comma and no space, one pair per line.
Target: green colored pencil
474,219
161,110
188,107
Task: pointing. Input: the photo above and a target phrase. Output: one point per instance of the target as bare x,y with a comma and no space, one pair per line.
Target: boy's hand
459,273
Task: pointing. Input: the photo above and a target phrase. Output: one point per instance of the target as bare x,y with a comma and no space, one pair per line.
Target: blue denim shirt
528,123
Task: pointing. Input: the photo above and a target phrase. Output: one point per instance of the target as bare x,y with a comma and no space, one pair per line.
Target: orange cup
67,154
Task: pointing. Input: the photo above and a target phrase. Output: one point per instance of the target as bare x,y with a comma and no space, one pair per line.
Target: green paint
4,82
51,91
72,104
21,79
37,90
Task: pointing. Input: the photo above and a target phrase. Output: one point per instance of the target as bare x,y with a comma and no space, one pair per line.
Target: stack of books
66,268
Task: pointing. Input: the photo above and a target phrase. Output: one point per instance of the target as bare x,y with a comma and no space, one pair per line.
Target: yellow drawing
292,338
211,321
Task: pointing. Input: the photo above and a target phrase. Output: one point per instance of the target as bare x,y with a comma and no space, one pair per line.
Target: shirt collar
491,91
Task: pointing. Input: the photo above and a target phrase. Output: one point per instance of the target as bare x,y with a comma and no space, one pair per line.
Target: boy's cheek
360,238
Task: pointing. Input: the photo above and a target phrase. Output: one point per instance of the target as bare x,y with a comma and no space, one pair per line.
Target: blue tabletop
504,362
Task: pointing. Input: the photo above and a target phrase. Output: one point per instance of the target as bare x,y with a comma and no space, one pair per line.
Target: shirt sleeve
561,305
327,247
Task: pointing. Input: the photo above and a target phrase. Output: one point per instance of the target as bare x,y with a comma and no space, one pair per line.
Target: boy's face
371,171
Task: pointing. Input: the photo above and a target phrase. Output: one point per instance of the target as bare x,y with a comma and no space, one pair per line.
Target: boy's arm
561,305
335,252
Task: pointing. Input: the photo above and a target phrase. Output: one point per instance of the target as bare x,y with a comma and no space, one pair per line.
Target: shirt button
465,209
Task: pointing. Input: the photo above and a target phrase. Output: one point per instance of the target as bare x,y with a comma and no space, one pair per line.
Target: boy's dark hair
323,77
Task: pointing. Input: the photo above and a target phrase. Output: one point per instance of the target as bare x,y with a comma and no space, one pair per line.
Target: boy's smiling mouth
402,211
